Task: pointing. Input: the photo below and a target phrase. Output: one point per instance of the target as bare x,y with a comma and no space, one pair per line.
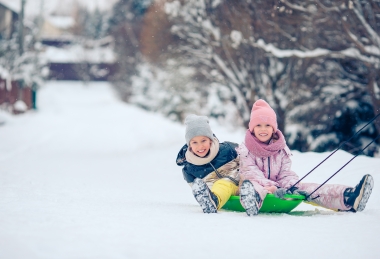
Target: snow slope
88,176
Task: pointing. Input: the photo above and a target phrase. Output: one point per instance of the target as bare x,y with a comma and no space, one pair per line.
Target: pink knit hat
262,113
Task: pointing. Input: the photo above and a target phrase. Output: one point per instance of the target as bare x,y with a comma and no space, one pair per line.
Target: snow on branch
318,52
298,7
375,37
225,69
234,83
355,53
172,8
291,52
235,68
370,50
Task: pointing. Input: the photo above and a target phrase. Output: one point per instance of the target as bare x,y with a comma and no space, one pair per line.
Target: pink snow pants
330,195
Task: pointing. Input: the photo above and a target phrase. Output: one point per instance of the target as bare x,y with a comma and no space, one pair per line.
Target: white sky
33,7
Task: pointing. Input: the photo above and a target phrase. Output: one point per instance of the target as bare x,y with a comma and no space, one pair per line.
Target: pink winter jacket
266,164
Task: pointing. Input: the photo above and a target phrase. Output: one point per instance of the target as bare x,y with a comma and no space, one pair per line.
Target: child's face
263,132
200,145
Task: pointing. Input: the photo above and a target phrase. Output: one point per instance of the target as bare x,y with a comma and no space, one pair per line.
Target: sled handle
361,151
374,118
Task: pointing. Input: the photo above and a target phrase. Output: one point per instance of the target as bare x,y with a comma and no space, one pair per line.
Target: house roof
14,6
62,22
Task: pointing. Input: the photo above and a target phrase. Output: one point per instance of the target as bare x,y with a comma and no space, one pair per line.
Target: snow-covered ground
87,176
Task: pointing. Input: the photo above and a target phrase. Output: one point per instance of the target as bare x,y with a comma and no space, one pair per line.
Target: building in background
73,58
15,96
54,26
69,54
8,20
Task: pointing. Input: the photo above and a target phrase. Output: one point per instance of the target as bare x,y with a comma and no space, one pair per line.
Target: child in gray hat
211,168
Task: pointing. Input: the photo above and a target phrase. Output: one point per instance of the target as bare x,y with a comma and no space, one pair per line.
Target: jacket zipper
269,167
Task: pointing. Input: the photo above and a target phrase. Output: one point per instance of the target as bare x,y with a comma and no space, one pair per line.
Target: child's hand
271,189
280,192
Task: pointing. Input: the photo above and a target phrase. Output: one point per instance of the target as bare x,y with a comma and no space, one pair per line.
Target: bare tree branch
296,7
374,36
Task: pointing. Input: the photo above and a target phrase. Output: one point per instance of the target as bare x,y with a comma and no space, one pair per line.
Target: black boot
206,198
357,197
249,198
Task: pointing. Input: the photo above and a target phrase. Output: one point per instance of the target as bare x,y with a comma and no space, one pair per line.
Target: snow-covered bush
315,72
27,67
172,91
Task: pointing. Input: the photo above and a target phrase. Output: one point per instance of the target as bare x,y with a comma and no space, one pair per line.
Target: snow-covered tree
345,37
165,90
303,57
26,67
215,37
272,49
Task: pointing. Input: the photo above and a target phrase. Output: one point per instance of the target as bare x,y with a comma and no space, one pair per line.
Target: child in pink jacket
265,167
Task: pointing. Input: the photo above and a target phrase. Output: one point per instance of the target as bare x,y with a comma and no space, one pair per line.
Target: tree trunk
280,116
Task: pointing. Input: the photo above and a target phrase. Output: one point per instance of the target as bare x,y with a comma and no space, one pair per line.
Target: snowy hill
88,176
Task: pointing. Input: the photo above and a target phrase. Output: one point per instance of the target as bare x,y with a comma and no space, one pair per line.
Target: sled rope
374,118
361,151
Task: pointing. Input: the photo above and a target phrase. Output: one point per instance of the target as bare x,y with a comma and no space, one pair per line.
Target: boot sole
202,195
248,198
365,193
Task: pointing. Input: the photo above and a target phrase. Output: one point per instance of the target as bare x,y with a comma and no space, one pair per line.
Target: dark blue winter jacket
226,154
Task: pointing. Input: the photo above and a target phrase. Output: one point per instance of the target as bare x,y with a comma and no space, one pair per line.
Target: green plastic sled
271,203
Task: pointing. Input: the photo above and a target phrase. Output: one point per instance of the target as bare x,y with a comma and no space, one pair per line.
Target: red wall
8,98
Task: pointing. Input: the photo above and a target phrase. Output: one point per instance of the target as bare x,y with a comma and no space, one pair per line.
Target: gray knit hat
197,126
